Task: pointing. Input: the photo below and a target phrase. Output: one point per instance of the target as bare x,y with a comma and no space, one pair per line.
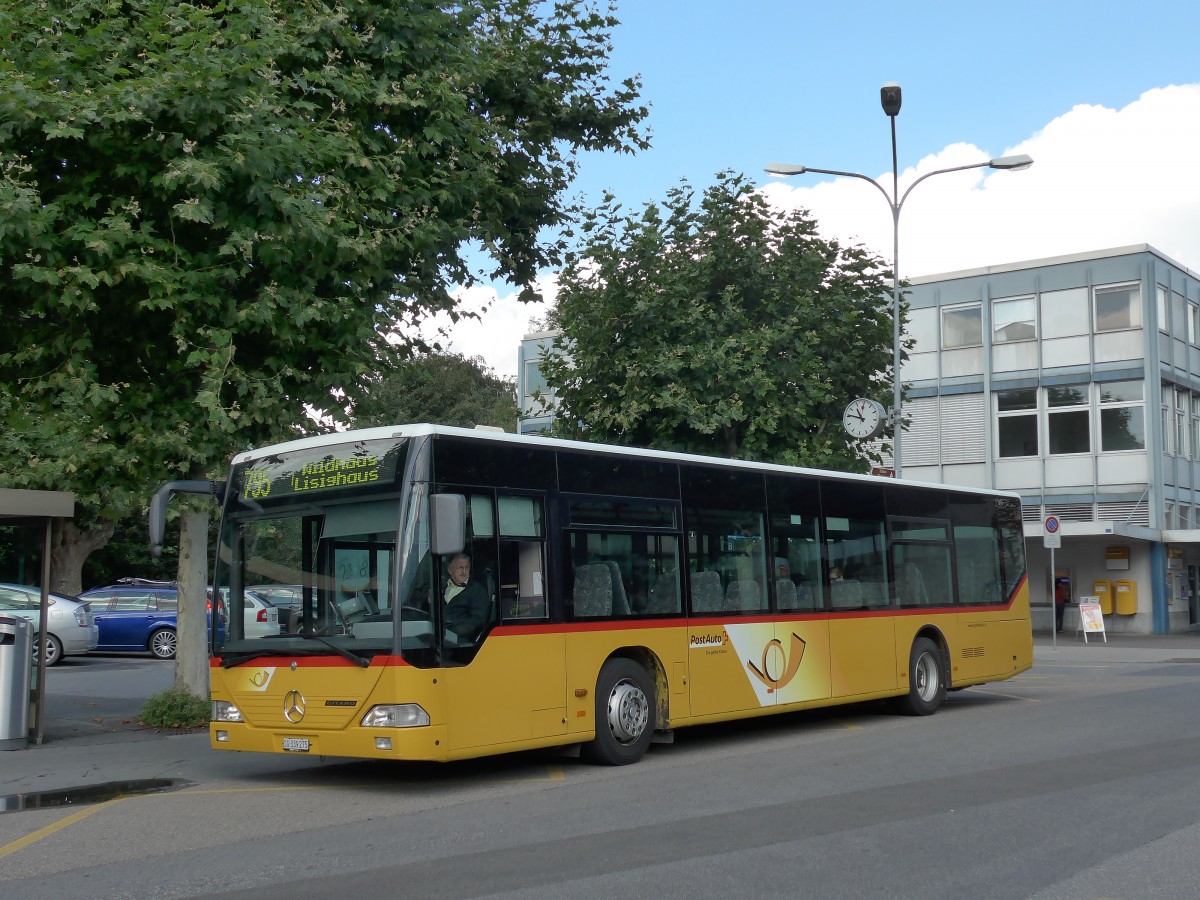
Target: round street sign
1052,538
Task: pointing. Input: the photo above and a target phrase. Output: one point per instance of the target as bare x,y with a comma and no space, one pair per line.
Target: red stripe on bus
328,662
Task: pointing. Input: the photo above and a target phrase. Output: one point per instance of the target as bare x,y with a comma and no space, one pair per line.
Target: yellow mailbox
1127,599
1104,590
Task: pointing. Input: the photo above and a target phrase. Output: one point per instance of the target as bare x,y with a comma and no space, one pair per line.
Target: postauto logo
771,664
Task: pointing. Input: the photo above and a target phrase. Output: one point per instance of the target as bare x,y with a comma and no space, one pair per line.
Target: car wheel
162,643
54,650
624,714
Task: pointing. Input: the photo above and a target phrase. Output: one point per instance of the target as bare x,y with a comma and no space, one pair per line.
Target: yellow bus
458,593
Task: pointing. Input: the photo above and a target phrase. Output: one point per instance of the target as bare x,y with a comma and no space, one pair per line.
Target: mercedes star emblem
293,706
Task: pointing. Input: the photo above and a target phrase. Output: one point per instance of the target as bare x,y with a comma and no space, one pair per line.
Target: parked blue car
139,614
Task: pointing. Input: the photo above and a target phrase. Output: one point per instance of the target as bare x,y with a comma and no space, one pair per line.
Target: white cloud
502,320
1101,178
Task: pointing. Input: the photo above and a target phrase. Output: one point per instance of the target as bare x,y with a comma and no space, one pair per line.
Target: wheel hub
628,712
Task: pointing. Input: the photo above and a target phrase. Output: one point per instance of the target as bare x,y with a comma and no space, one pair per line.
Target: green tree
441,388
213,213
719,325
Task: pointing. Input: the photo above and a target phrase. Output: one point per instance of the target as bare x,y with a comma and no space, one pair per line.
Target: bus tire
926,680
624,714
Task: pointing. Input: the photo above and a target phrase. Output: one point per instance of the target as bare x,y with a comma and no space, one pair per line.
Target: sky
1105,97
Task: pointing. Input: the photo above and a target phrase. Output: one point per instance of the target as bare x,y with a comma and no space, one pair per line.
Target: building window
962,326
1067,419
1118,308
1123,416
1168,432
1016,422
1181,422
1195,426
1065,313
1179,323
1160,297
539,398
1014,320
1193,324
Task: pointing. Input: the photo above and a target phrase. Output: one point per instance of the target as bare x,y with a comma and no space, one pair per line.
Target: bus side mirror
448,521
158,506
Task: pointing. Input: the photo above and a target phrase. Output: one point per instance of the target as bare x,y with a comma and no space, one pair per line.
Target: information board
1091,620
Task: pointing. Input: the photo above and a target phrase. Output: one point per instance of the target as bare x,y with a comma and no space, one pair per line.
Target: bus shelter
37,510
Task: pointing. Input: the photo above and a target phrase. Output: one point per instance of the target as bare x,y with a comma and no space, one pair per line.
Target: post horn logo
791,663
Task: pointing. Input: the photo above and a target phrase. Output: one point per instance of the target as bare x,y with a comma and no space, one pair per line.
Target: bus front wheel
624,714
926,680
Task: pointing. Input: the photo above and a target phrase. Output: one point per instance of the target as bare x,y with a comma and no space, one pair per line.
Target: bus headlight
395,715
224,711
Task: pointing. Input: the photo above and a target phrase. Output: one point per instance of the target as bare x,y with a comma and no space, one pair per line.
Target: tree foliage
441,388
716,324
213,211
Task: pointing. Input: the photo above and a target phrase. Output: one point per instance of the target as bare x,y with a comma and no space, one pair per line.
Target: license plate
296,745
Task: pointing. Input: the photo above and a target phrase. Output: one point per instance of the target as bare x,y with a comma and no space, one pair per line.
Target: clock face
863,419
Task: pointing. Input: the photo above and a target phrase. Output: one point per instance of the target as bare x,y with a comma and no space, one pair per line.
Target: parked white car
260,617
71,629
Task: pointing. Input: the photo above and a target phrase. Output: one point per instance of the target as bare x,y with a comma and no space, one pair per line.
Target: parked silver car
71,628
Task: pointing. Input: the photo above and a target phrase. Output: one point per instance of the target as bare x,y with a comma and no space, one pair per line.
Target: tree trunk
730,434
191,657
70,546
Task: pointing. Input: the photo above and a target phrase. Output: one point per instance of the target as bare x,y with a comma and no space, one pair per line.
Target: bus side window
724,519
795,505
622,559
522,558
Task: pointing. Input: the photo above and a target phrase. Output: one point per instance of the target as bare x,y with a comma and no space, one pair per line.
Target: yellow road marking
34,837
553,773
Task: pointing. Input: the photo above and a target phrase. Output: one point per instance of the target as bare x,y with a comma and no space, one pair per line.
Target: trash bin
16,665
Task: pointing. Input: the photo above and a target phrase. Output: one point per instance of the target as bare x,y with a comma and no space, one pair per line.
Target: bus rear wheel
926,680
624,714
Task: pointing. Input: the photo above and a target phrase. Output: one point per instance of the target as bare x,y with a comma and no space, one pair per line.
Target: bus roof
487,435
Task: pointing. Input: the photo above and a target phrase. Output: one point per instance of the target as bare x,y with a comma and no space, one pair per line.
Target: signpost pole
1053,605
1052,540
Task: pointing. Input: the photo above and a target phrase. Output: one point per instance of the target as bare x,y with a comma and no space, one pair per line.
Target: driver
466,601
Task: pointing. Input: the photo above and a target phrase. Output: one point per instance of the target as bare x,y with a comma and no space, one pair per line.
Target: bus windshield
320,536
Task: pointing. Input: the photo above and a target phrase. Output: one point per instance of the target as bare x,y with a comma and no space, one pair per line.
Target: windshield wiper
235,659
350,655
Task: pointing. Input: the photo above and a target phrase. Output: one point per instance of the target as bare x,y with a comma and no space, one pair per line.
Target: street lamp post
890,99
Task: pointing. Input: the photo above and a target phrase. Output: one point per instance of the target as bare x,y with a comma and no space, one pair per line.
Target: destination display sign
357,466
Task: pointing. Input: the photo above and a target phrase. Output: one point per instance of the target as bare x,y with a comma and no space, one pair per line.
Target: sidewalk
1119,648
92,736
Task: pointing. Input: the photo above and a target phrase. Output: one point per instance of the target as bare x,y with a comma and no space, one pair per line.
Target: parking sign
1052,539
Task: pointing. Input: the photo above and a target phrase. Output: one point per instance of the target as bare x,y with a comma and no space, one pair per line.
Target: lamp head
1011,163
784,169
889,98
